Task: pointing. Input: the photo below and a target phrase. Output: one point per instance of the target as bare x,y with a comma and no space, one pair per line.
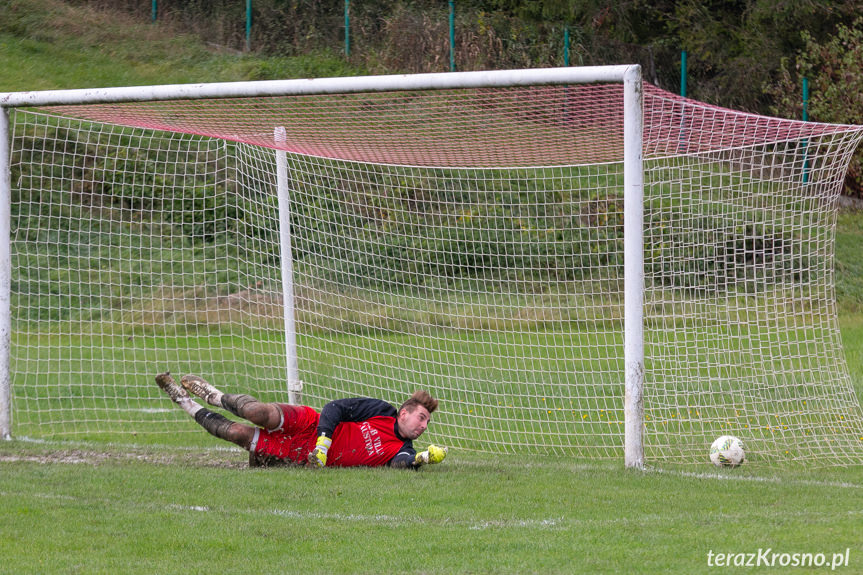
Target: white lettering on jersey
372,439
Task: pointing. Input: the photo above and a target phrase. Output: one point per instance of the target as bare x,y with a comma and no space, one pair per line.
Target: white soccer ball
727,451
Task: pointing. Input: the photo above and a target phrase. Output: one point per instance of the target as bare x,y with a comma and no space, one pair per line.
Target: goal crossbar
339,85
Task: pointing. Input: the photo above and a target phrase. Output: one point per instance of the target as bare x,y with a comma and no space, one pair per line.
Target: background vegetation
746,54
54,44
735,48
76,508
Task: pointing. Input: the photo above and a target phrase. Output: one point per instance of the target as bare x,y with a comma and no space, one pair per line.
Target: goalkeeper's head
415,414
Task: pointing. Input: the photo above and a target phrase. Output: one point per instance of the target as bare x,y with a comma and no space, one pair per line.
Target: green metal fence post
805,119
248,25
566,45
347,28
154,10
683,73
452,35
683,138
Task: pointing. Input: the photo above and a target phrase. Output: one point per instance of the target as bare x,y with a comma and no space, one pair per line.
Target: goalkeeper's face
412,424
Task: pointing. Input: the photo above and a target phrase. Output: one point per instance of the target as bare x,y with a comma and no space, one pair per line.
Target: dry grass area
93,27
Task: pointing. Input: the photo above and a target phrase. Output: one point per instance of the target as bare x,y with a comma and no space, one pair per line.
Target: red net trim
532,126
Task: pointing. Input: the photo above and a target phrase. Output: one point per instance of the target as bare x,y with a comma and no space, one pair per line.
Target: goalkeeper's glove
318,455
433,454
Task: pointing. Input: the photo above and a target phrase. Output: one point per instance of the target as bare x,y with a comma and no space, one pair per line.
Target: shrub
835,72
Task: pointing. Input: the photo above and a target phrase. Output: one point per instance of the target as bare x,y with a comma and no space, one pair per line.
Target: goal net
465,241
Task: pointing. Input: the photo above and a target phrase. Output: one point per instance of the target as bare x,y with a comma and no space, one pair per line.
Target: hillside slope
47,44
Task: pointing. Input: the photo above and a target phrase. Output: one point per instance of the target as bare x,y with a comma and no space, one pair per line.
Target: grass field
84,506
70,509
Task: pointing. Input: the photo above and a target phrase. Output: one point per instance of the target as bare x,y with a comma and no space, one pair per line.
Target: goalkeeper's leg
266,415
214,423
223,428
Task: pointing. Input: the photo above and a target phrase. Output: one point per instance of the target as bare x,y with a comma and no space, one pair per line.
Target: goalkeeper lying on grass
346,433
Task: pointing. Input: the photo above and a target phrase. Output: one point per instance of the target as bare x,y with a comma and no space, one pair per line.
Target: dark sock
214,423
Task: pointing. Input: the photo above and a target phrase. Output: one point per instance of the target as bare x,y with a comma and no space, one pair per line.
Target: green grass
49,44
86,506
498,389
189,504
849,263
69,510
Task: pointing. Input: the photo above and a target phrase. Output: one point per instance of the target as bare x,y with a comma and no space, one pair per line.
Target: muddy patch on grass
75,456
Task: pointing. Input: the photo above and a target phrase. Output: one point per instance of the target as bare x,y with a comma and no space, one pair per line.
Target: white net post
295,386
5,276
633,241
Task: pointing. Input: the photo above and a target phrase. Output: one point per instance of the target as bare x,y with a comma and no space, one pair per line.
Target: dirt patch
226,459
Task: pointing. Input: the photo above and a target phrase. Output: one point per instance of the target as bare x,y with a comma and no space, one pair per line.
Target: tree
835,72
737,46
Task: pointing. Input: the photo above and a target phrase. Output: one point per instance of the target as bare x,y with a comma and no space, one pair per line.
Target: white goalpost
573,262
295,385
5,276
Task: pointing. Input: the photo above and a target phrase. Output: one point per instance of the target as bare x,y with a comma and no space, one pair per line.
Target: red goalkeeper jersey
364,432
371,443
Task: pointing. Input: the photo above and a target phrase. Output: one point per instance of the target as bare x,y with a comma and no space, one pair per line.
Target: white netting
467,242
742,334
